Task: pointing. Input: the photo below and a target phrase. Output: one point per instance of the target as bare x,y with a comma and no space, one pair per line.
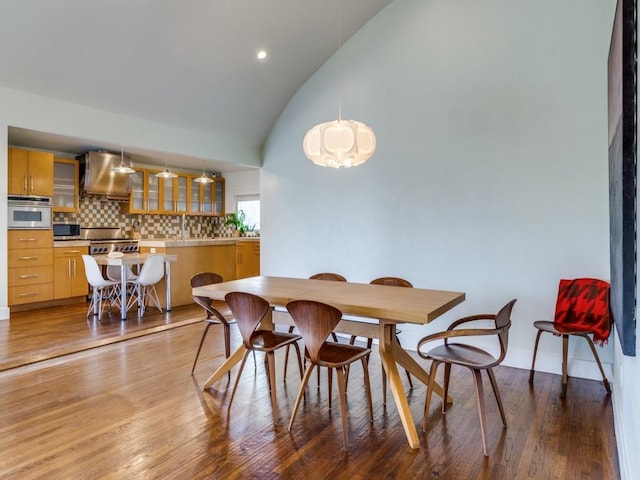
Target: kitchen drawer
29,239
66,252
30,293
30,275
30,257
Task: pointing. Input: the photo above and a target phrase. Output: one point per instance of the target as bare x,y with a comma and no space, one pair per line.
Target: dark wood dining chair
392,282
315,321
332,277
469,356
218,312
582,309
249,310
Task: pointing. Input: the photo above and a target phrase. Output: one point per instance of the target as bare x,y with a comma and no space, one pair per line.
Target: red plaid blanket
583,304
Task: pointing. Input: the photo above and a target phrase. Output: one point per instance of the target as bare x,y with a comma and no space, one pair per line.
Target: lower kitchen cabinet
247,259
30,266
68,272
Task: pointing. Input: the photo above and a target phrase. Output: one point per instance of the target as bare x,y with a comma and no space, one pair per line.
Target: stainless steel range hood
98,178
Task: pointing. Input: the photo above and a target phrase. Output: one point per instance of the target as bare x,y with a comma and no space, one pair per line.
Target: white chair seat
103,290
152,272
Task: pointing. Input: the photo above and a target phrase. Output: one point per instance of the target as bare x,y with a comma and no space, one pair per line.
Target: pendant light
166,173
339,143
122,168
203,178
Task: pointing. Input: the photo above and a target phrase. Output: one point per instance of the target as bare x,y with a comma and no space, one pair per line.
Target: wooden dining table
372,311
127,260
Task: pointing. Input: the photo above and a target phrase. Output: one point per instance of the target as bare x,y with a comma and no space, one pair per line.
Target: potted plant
237,220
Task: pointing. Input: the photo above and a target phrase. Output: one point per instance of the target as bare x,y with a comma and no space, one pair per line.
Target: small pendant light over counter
339,143
203,178
122,168
166,173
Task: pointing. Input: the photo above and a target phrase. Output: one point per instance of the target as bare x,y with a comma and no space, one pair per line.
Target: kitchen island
231,257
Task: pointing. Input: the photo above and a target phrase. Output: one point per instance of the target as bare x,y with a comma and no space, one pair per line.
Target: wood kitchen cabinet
65,185
151,194
30,172
30,266
247,259
68,272
207,198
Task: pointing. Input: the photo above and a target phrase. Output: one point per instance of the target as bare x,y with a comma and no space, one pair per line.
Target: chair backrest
114,271
315,321
206,278
335,277
392,282
248,310
503,320
93,272
152,270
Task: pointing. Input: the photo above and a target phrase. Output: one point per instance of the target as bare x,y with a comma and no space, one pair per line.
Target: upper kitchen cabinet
169,196
207,198
30,172
65,185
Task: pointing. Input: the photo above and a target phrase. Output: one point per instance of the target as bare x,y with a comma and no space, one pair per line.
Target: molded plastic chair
249,310
152,272
218,312
103,290
113,273
474,358
582,309
315,321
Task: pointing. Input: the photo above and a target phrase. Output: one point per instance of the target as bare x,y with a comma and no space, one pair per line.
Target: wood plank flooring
131,410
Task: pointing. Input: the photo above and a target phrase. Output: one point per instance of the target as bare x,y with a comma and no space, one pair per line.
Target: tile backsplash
101,212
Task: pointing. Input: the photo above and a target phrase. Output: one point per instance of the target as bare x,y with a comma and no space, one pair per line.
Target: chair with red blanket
582,309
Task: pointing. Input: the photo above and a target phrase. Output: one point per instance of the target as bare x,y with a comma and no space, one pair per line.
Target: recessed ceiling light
262,54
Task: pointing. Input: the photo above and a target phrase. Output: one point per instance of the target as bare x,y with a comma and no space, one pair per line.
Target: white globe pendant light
339,143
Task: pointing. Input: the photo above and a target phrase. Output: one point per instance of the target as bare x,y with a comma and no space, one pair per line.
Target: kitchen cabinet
30,172
174,196
207,198
68,272
247,259
65,185
30,266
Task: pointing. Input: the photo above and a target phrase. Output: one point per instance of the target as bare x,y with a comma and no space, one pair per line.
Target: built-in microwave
66,231
29,212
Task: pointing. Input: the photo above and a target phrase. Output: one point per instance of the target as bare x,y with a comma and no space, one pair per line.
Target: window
250,205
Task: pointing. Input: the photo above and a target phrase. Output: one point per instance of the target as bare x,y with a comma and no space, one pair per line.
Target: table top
398,304
131,259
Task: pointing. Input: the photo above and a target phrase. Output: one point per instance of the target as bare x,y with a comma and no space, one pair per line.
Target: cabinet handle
32,294
74,267
33,275
69,268
27,239
26,184
72,252
31,183
28,258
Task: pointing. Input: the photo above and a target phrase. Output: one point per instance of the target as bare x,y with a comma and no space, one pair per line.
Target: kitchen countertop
71,243
195,242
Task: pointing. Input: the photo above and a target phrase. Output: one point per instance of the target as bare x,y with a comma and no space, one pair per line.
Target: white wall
240,183
490,175
4,300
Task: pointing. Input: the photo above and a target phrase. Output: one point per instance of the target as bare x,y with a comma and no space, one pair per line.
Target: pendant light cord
339,60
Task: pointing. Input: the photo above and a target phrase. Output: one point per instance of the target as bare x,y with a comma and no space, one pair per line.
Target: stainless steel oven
29,212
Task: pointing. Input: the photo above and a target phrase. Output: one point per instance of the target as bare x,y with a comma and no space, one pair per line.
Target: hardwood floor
131,410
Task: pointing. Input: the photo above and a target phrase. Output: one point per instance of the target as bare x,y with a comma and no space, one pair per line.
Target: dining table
127,260
371,311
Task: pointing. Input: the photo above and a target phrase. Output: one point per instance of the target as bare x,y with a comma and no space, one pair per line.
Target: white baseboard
4,313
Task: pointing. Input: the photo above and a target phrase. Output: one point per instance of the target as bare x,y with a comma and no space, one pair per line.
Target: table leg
123,292
228,364
387,354
414,368
168,275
